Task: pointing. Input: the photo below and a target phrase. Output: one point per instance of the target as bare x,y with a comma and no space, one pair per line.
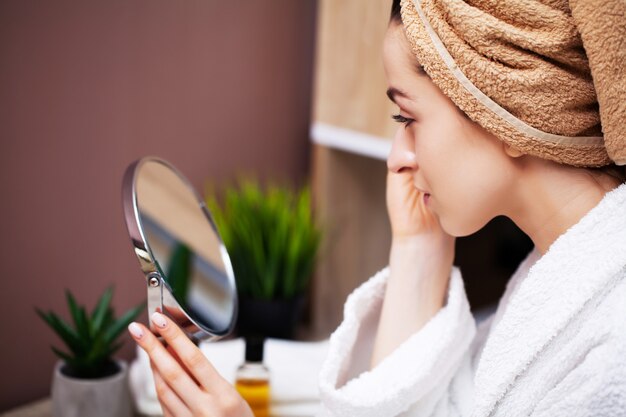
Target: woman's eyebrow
392,92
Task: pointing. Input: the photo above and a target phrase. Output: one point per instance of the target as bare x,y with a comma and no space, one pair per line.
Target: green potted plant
87,381
272,240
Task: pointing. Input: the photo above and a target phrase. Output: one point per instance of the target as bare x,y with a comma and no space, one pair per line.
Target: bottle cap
254,349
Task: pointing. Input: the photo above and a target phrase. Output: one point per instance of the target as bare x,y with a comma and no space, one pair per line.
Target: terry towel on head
556,345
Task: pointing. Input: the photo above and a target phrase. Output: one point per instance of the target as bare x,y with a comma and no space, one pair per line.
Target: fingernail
135,330
159,319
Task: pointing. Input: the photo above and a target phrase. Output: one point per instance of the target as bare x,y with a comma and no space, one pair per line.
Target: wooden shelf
351,141
39,408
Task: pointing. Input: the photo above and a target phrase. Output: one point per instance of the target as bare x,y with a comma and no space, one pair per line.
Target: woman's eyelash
401,119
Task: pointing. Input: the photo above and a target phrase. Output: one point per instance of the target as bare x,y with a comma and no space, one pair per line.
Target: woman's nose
402,156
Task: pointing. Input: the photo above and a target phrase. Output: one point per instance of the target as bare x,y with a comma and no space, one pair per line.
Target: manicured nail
159,319
135,330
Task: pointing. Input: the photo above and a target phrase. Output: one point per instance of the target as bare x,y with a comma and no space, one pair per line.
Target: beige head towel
546,76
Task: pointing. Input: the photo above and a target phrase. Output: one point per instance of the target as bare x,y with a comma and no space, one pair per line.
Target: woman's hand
420,262
412,222
405,204
186,382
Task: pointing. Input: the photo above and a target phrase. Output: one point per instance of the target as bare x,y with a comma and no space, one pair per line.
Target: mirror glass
187,269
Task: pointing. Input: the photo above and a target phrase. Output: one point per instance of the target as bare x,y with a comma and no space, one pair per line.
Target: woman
499,117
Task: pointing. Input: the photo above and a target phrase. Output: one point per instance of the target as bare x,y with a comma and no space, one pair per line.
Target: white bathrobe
556,345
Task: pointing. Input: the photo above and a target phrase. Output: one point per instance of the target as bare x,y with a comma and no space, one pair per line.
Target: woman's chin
460,228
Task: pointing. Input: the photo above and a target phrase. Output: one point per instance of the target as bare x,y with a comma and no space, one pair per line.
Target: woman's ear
511,151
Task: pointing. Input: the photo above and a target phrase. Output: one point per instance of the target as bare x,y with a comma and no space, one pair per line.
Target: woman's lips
422,191
426,196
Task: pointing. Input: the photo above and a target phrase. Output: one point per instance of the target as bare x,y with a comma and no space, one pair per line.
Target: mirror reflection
185,249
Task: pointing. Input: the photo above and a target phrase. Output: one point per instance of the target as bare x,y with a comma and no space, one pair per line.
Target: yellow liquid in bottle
256,392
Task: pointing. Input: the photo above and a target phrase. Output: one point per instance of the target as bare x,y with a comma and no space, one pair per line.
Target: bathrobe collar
577,266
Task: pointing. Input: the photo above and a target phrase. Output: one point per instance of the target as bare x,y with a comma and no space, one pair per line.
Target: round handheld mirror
188,273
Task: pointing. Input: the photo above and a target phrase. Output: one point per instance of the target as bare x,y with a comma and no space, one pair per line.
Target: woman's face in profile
463,167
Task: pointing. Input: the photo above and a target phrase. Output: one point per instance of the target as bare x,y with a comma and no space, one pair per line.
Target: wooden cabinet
349,84
351,127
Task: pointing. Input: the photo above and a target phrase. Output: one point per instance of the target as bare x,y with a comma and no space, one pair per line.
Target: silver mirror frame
160,296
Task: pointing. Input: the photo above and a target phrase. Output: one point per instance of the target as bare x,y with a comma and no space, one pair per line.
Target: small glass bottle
252,379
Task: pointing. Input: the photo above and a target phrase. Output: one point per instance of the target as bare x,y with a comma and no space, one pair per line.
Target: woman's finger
190,355
164,407
169,369
166,411
171,404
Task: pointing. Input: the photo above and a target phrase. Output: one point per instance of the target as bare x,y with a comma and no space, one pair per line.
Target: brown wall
216,87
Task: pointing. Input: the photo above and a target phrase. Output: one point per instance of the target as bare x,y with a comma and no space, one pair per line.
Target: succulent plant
92,339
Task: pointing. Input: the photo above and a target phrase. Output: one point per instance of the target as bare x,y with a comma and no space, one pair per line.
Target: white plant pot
103,397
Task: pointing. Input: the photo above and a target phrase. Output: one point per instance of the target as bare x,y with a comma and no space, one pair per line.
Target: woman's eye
401,119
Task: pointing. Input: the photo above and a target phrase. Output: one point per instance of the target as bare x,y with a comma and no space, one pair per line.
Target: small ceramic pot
103,397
